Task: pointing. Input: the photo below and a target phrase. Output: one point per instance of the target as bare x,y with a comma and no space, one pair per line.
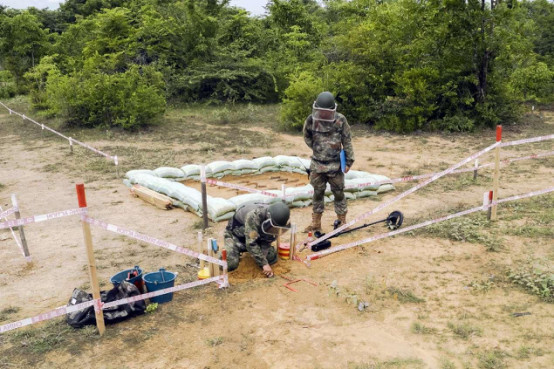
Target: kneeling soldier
252,229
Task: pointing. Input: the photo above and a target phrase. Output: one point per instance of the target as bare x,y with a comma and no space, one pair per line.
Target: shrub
94,98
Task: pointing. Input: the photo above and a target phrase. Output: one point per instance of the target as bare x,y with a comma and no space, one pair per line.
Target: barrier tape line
238,187
164,291
527,140
70,139
6,213
41,218
47,316
405,193
17,242
331,250
222,280
152,240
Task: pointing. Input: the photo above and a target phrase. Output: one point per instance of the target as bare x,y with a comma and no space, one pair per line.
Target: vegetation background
400,65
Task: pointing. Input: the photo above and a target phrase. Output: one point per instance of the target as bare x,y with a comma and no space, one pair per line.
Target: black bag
79,319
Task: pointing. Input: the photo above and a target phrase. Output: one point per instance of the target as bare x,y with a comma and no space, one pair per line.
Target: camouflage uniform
326,140
244,234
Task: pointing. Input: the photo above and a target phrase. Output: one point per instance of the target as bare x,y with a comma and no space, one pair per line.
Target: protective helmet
325,100
279,213
324,107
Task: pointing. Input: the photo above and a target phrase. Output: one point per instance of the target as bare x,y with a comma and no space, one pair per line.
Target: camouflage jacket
326,139
247,226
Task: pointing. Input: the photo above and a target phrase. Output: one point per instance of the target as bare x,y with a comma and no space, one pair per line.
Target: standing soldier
253,228
326,132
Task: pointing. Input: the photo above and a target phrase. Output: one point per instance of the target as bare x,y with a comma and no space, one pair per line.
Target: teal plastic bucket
158,281
129,276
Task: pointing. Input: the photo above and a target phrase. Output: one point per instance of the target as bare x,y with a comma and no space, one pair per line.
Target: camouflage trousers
235,247
336,181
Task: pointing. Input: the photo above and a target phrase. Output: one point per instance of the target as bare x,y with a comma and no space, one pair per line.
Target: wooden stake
202,262
70,146
496,178
91,262
204,196
210,253
475,169
292,241
214,254
224,258
21,232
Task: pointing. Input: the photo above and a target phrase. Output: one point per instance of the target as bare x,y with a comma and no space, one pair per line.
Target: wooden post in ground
224,258
475,169
15,205
200,249
91,262
116,162
214,254
210,252
292,241
70,146
204,196
496,178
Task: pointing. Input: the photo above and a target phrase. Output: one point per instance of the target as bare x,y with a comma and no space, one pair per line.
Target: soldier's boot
342,221
316,223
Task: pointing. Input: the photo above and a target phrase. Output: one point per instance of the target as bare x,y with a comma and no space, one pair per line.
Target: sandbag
133,172
219,166
264,161
191,170
169,172
244,164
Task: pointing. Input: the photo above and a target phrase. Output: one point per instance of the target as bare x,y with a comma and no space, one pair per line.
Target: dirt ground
427,300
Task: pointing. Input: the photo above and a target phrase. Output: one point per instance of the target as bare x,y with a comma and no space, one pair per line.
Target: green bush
94,98
300,96
8,88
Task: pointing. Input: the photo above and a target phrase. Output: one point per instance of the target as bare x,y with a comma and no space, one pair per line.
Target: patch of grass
404,295
464,330
446,364
525,352
2,186
420,328
7,312
33,343
535,281
493,359
466,229
407,363
216,341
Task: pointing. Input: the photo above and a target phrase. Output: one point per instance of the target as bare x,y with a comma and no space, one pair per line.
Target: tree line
400,65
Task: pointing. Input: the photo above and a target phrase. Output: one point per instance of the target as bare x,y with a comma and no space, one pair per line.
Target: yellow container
204,273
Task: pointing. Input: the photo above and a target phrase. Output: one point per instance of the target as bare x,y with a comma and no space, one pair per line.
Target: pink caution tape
222,281
6,213
70,139
404,194
41,218
331,250
152,240
527,140
46,316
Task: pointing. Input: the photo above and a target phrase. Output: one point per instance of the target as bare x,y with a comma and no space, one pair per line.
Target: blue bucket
127,275
158,281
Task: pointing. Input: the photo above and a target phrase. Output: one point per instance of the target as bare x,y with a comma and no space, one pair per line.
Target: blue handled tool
342,161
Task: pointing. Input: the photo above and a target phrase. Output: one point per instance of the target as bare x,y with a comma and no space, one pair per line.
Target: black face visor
272,229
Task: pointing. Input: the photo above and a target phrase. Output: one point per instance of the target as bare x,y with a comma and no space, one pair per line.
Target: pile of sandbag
358,184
